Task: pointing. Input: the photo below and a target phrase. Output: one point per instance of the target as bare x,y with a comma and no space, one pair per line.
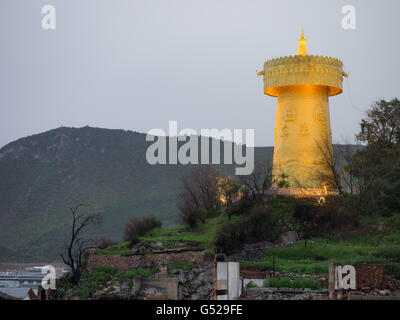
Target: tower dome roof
303,69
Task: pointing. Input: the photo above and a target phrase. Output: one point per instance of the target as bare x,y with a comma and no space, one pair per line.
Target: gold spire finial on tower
302,50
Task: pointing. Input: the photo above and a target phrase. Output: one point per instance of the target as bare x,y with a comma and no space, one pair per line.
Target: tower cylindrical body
303,139
303,136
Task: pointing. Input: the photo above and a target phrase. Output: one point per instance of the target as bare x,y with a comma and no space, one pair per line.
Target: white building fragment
229,283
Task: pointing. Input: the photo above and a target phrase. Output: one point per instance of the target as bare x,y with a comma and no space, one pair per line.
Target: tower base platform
302,192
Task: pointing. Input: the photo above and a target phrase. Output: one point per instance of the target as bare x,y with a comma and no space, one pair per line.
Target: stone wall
254,273
136,261
370,275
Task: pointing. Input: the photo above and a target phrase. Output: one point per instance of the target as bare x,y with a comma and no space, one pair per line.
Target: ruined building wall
129,262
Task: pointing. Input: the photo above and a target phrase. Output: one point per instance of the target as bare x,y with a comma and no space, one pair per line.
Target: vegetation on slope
360,224
375,239
98,279
202,237
44,174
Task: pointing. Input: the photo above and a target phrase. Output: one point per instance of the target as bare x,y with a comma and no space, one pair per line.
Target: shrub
212,212
134,240
318,220
83,293
209,254
251,284
105,243
255,227
191,216
138,227
241,206
304,209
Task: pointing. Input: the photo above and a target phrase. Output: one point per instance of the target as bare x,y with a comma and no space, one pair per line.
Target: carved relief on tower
304,131
290,114
324,134
285,132
319,116
307,155
321,119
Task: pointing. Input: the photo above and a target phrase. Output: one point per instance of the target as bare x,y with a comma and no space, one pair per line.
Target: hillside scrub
104,243
135,228
99,278
257,226
315,219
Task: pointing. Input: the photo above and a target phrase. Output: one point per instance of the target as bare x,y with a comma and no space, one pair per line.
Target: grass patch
93,281
180,266
313,258
123,275
204,234
117,249
303,283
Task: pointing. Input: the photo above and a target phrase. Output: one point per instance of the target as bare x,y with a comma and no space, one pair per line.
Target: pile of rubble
196,284
252,251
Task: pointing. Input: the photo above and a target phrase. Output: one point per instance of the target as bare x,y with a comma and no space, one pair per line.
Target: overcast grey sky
137,64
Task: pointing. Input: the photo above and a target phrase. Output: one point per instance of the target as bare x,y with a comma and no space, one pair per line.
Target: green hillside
374,240
42,175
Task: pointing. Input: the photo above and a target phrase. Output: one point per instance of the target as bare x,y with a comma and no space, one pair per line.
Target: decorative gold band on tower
303,139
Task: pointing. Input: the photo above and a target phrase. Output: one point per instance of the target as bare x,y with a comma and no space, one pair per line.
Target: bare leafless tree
201,186
330,175
78,244
259,181
341,169
344,154
199,192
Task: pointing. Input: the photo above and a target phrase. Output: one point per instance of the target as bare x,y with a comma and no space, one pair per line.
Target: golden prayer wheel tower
303,139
